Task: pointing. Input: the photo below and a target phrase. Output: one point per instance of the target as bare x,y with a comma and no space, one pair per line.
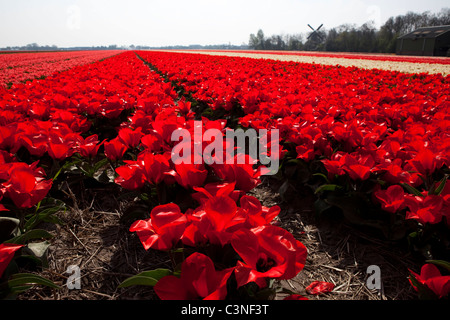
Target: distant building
426,41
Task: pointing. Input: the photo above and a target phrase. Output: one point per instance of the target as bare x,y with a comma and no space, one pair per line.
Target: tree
332,43
260,37
294,42
277,43
257,42
253,42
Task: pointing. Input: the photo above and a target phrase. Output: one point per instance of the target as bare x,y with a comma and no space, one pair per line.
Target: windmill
315,36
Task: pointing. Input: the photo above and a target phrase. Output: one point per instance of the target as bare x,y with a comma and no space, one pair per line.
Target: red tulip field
28,66
354,203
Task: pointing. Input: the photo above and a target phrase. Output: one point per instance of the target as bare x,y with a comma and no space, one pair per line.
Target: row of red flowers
18,67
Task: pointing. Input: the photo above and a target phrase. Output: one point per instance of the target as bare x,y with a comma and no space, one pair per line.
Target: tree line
351,38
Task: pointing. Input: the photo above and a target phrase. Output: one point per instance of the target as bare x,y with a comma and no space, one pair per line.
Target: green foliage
21,282
146,278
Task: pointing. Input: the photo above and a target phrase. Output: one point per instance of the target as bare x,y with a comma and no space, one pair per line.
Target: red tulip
319,287
130,176
267,252
36,145
198,230
6,137
189,175
431,277
214,221
165,123
199,280
164,228
184,108
255,213
131,138
223,218
59,146
88,147
358,172
154,167
335,166
39,111
7,251
357,167
220,211
425,209
211,190
26,186
425,162
306,151
394,173
152,141
392,199
241,171
115,149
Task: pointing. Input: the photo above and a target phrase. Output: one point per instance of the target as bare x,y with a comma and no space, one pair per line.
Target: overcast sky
182,22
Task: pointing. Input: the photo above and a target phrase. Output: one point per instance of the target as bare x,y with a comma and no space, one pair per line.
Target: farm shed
426,41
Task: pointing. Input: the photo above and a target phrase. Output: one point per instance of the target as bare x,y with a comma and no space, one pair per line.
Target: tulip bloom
214,222
358,167
319,287
88,147
240,171
216,189
431,277
267,252
130,176
306,151
26,186
59,149
199,280
152,141
220,211
131,138
392,199
36,145
189,175
358,172
425,162
164,228
7,252
184,108
425,209
149,168
255,214
154,167
115,149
